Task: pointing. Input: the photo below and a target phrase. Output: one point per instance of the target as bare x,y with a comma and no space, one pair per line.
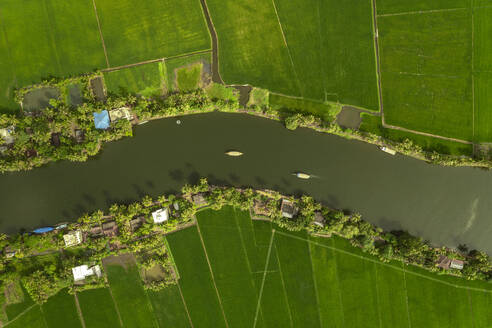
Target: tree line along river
447,206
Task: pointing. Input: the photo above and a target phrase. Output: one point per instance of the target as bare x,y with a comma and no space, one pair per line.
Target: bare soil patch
97,86
124,260
349,117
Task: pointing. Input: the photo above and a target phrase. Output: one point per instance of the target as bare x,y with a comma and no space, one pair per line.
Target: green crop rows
250,274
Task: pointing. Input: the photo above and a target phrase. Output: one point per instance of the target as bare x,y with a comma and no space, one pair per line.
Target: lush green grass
33,318
169,308
427,86
146,80
174,64
321,60
327,111
60,311
219,91
372,124
14,310
98,308
60,39
195,279
251,46
130,297
402,6
233,275
136,31
188,78
298,279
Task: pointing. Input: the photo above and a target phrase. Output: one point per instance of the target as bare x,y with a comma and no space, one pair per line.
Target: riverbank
64,132
129,228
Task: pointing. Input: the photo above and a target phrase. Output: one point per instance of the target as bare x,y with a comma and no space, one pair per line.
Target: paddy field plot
187,67
331,58
146,80
98,309
426,69
135,31
390,7
60,311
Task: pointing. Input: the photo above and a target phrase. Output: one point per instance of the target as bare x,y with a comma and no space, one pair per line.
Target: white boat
234,153
143,122
388,150
301,175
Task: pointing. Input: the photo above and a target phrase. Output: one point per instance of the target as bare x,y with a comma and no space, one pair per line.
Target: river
448,206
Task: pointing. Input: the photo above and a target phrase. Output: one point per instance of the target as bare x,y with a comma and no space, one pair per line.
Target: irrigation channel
448,206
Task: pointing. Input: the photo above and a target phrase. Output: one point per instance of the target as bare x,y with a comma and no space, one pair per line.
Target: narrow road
215,45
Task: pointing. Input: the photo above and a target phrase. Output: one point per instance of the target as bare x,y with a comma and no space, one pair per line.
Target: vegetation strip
386,264
212,275
267,261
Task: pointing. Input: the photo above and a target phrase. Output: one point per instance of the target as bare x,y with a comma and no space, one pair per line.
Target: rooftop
73,238
161,215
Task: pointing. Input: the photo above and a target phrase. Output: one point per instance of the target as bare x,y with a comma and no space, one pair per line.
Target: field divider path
287,47
184,303
388,265
315,285
422,12
283,287
267,261
100,32
377,296
212,274
394,127
79,310
44,316
337,276
473,68
406,295
20,315
215,43
116,306
471,307
378,60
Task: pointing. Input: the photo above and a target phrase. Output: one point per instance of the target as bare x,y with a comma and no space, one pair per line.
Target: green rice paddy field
236,272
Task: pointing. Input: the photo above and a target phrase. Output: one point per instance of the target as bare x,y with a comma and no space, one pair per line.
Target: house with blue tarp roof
101,120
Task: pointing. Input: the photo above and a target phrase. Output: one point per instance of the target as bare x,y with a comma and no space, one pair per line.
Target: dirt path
406,294
215,44
20,314
378,64
287,47
212,274
184,303
115,306
267,261
79,310
422,12
100,32
426,134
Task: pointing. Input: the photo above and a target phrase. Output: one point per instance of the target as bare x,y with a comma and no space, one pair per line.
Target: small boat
388,150
43,230
234,153
301,175
143,122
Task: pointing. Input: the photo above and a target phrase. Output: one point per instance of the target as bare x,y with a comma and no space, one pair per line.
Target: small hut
319,220
110,228
136,223
199,200
161,215
288,208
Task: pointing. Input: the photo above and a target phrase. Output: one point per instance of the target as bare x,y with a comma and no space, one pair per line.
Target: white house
120,113
6,134
161,215
73,238
456,264
83,271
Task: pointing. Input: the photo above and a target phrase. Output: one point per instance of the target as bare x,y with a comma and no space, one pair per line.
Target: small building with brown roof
319,220
136,223
110,228
288,208
199,200
457,264
96,231
260,207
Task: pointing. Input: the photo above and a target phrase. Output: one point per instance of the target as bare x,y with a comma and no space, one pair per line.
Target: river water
445,205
